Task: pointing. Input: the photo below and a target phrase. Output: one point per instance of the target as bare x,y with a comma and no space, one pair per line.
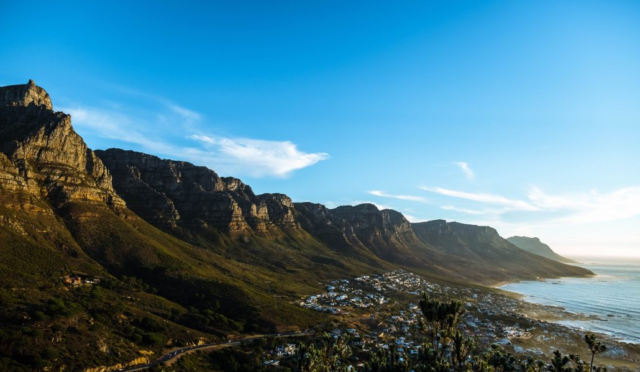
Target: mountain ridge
364,231
535,246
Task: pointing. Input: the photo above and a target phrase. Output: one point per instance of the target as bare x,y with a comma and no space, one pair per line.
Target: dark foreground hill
179,252
535,246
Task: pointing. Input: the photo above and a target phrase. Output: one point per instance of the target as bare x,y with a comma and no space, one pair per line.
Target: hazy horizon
522,116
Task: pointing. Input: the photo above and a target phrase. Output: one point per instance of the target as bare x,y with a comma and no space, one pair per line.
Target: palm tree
595,346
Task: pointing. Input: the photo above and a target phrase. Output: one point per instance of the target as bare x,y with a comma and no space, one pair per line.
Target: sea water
613,295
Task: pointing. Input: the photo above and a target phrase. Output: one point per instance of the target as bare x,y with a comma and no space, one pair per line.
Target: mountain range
181,244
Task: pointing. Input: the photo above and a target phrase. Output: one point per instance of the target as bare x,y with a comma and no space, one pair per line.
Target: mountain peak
25,95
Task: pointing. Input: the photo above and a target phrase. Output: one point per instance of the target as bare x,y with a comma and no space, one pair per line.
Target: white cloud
230,156
590,207
383,194
117,126
464,166
543,209
485,198
261,158
474,212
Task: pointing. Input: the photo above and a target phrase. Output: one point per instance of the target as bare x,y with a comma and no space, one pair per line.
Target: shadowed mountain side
221,214
481,249
224,215
535,246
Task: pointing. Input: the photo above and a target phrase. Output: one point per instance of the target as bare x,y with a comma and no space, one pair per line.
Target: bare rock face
280,210
386,234
41,153
333,230
173,193
25,95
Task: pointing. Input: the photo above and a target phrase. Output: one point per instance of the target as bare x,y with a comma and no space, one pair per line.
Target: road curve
179,352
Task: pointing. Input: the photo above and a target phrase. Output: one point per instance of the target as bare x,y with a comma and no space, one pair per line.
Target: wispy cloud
175,131
413,198
475,212
464,166
590,207
485,198
117,126
262,158
544,209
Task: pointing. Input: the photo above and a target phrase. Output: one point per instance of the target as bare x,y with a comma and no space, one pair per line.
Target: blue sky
522,115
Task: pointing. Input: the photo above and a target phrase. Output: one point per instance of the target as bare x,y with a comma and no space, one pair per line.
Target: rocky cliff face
42,155
386,233
322,223
172,193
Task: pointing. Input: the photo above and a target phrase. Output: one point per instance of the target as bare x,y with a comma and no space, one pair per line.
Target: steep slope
60,216
57,194
44,165
195,197
385,234
221,214
535,246
481,250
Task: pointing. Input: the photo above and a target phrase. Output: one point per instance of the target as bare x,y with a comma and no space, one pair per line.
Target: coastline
581,320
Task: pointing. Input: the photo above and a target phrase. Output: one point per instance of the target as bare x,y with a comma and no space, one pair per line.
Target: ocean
613,295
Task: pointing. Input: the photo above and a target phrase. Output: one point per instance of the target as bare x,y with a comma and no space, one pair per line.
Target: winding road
180,352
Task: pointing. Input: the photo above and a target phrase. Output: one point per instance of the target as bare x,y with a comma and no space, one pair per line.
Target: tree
595,346
448,347
560,363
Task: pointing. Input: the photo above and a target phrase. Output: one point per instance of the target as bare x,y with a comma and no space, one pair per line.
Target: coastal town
382,310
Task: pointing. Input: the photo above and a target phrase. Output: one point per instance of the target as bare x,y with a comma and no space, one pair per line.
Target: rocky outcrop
535,246
280,210
25,95
42,154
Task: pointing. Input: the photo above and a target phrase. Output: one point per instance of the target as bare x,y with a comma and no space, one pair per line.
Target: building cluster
342,295
491,318
272,357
